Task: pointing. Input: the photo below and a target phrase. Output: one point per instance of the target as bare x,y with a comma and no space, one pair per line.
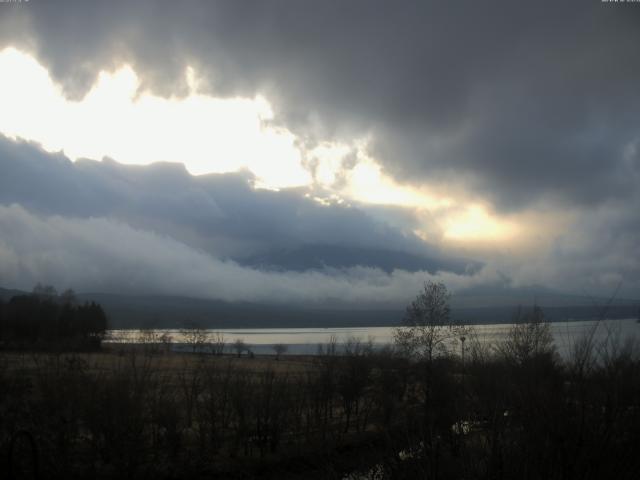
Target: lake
306,340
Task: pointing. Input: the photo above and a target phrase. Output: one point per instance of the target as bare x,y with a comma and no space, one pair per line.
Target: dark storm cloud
102,226
518,101
220,214
527,104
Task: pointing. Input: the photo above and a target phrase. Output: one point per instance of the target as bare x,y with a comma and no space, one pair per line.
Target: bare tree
218,343
529,337
166,340
330,349
68,297
150,341
280,349
427,327
239,346
353,377
194,335
154,341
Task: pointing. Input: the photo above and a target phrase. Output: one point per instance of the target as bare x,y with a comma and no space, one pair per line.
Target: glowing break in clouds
475,223
208,135
113,119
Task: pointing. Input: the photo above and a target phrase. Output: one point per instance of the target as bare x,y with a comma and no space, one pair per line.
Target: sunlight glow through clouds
207,135
475,223
364,180
368,184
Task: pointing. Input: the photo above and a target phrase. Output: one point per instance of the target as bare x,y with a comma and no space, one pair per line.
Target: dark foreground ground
506,413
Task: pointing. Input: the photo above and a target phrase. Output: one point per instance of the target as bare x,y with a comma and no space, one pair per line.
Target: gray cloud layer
107,227
102,226
218,214
109,256
520,103
517,101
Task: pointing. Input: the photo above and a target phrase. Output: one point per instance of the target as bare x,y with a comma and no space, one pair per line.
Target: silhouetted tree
46,319
194,335
427,325
218,343
239,346
68,297
280,349
530,337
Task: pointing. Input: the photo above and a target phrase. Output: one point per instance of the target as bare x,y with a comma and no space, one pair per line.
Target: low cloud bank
100,254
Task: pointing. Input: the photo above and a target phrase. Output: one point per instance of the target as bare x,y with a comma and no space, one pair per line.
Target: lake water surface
306,340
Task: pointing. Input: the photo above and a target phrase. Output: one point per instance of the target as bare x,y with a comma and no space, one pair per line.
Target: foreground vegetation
511,411
440,404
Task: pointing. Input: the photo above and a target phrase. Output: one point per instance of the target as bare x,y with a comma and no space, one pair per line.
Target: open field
114,357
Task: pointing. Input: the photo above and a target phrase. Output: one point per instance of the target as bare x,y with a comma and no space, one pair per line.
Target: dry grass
113,357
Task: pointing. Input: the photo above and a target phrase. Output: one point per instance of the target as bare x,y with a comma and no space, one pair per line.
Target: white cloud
115,119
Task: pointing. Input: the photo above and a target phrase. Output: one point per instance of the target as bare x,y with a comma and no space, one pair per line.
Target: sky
320,153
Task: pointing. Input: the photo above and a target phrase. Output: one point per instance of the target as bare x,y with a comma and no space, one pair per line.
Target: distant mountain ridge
506,295
154,311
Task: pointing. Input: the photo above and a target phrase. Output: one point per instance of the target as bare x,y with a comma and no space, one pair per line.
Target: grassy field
116,356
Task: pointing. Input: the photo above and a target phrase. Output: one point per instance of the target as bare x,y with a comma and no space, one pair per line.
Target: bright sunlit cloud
209,135
368,184
349,170
476,224
364,181
205,133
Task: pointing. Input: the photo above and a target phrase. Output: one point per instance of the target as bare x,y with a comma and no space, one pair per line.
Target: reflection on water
306,340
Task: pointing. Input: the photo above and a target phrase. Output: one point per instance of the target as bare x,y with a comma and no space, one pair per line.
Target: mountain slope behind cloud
219,214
